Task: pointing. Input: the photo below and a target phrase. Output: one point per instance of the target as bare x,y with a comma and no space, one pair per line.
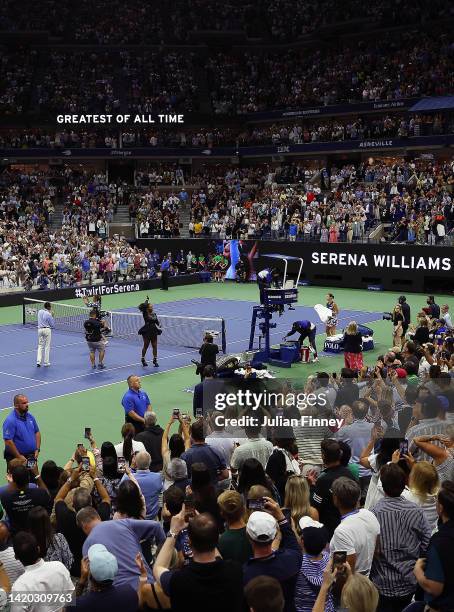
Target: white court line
45,399
93,373
33,350
18,376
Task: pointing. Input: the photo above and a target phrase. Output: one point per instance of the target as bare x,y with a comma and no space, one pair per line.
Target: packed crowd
412,199
181,20
38,252
295,132
92,80
412,66
97,81
341,501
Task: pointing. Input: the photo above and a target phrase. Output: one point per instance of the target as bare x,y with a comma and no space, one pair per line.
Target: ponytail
128,432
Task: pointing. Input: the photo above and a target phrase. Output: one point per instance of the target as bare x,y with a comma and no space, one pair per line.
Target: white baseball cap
261,527
307,521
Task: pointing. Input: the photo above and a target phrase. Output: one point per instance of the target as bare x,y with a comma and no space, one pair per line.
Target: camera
387,316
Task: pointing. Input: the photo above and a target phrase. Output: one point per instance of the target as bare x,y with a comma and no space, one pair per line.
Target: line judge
45,325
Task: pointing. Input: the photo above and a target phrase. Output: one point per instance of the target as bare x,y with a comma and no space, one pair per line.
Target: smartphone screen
86,464
176,413
198,413
189,508
403,448
31,463
87,433
121,464
255,504
339,558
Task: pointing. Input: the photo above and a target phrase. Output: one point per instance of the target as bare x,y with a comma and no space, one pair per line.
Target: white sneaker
315,360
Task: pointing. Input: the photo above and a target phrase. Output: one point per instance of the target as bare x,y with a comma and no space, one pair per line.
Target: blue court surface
70,369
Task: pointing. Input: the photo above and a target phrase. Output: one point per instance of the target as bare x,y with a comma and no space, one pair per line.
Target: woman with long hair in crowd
129,446
130,501
110,479
282,463
204,493
297,500
52,546
423,487
252,473
359,594
50,473
174,447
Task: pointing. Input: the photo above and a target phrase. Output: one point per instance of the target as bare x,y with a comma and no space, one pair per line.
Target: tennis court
69,395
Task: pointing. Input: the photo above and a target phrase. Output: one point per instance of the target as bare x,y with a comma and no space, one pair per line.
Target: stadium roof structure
428,104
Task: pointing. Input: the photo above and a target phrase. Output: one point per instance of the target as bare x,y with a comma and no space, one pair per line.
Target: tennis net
181,331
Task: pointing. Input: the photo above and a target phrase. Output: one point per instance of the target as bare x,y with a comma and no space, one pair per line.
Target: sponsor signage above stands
418,142
335,109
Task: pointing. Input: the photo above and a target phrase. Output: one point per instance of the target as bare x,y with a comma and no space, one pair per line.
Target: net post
224,342
23,312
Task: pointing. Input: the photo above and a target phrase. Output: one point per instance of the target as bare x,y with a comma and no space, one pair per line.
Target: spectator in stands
264,594
39,576
22,498
256,447
99,569
404,537
150,483
151,438
233,543
283,564
12,567
358,531
321,490
121,538
210,580
200,452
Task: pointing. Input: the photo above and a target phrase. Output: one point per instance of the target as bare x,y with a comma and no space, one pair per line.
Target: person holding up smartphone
283,564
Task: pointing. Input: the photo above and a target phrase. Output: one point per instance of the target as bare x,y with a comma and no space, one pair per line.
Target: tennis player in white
45,324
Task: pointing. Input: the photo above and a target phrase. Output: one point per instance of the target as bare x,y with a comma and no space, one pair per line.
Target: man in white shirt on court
45,324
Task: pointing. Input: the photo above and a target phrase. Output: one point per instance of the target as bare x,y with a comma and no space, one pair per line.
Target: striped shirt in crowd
13,568
404,537
309,582
308,439
425,427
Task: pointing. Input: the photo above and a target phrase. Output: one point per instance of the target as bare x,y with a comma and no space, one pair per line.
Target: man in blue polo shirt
21,432
135,403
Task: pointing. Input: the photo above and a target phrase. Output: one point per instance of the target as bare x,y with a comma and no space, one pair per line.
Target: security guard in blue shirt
165,265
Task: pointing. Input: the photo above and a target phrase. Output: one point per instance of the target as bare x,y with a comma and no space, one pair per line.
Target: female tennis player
331,323
150,331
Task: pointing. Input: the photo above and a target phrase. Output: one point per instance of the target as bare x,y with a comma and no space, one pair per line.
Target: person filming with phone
283,564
